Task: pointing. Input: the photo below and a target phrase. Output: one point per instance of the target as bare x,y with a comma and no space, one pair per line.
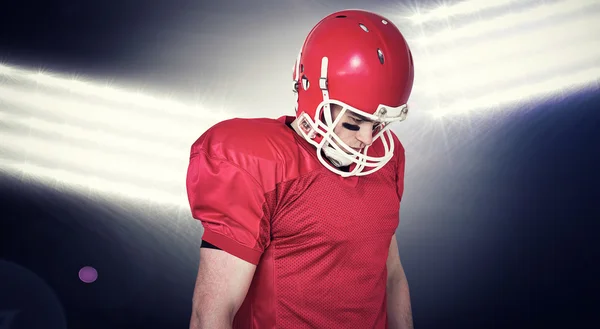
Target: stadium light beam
547,13
458,9
519,71
78,183
504,48
111,165
113,94
96,137
173,130
529,92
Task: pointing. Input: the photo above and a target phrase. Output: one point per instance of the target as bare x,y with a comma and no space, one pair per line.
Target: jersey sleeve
229,202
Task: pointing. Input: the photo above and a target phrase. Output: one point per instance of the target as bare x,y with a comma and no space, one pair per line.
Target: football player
300,213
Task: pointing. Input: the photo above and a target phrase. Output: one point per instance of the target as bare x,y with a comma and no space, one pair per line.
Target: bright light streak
140,158
511,66
121,149
512,47
117,166
531,91
461,8
176,131
79,182
5,70
97,137
166,106
540,13
521,70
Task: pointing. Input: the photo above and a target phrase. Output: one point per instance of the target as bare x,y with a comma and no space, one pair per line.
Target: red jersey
320,241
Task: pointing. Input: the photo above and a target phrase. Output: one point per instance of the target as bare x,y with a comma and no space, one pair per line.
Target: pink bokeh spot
88,274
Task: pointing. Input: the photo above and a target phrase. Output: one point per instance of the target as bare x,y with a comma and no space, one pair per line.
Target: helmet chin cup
334,157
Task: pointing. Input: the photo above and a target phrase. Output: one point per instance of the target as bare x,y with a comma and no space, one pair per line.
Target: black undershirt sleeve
208,245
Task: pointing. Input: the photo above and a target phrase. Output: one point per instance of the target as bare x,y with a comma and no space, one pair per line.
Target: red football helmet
360,61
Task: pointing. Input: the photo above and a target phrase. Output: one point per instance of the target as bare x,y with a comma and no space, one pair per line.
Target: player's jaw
346,148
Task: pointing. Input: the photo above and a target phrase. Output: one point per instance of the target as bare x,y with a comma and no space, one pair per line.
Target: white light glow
520,70
509,65
113,94
537,14
155,128
97,142
125,166
510,47
506,96
97,138
79,182
460,8
119,142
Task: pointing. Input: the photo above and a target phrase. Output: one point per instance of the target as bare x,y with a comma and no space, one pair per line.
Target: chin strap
335,157
331,153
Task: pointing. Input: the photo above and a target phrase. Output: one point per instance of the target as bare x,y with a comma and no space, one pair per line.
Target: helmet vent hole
305,83
380,55
301,68
384,22
340,16
363,27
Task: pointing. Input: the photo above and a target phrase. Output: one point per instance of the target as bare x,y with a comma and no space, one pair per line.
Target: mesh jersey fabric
320,241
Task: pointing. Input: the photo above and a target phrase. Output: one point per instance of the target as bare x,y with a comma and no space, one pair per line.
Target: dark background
505,239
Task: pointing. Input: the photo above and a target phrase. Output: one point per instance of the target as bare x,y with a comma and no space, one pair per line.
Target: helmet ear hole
305,82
